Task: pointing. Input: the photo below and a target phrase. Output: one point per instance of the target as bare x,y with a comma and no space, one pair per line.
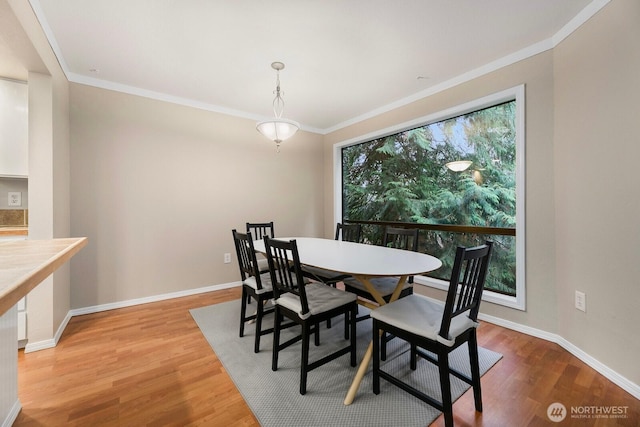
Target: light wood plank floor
150,365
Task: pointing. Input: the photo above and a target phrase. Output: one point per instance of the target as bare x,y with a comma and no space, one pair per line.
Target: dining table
364,262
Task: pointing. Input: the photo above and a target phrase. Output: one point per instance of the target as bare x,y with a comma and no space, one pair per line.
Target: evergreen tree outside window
402,177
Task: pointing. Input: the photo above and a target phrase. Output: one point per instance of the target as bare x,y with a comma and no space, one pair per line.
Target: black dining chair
394,237
255,285
344,232
258,231
438,328
261,229
399,238
305,304
349,232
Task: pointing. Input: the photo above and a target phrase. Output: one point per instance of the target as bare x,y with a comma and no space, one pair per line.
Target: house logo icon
556,412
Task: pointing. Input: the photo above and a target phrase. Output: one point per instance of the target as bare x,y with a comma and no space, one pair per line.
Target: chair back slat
285,269
401,238
261,229
466,284
349,232
247,261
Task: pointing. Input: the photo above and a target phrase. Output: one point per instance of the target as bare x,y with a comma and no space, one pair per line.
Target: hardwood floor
150,365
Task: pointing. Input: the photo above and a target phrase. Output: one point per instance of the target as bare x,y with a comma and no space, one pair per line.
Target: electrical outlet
581,301
227,258
15,198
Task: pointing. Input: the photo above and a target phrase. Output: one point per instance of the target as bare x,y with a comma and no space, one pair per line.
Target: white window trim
518,93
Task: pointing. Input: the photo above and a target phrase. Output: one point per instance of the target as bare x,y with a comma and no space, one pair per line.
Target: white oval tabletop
358,258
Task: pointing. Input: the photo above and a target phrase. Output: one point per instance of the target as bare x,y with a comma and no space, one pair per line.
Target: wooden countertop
26,263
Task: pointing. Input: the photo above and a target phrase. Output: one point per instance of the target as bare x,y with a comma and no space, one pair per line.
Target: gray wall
597,198
582,198
158,187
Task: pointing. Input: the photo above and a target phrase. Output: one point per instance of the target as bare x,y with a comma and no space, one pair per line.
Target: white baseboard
155,298
40,345
50,343
621,381
624,383
13,414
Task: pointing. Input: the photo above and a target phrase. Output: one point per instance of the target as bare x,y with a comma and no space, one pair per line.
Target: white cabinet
22,319
21,306
14,125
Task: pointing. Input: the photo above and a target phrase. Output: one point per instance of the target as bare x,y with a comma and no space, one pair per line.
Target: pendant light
278,129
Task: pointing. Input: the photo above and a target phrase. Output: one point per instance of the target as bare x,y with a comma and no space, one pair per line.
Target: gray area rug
274,398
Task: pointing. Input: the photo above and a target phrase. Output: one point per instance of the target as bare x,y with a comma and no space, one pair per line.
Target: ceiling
345,60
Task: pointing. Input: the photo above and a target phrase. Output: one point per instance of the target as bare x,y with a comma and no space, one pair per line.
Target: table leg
398,289
362,369
366,359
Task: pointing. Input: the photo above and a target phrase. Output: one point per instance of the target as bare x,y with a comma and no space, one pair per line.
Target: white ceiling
345,60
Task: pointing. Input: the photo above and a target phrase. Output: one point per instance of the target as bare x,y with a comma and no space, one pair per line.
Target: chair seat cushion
321,298
422,316
323,275
384,285
265,280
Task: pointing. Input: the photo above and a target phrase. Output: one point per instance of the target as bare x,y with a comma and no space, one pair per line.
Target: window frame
516,93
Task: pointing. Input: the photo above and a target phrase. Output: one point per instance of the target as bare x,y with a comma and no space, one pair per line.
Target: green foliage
403,178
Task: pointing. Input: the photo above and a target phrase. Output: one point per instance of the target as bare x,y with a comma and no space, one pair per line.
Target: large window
409,176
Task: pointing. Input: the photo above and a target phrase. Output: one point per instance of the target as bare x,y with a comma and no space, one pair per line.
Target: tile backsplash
14,217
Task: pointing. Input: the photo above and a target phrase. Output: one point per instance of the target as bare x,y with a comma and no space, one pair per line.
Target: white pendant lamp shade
278,130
